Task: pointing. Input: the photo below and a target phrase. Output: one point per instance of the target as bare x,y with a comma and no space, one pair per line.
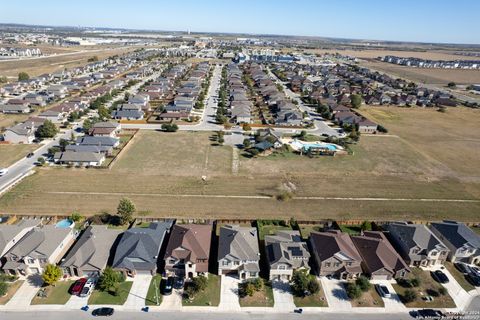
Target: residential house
335,255
188,250
286,252
10,234
40,246
79,158
463,242
238,252
379,259
138,249
14,108
105,129
89,256
417,244
20,133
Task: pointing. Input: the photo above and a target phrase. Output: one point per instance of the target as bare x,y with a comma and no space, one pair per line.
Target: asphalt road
62,315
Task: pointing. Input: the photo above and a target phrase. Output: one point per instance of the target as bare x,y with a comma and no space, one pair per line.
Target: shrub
409,296
382,129
3,288
363,283
313,286
442,291
200,283
353,291
415,282
250,289
51,274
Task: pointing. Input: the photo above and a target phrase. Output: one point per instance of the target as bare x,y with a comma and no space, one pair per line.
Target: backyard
386,177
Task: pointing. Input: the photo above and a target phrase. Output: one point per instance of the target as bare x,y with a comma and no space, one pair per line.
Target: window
236,263
224,263
327,264
253,274
282,267
30,261
434,253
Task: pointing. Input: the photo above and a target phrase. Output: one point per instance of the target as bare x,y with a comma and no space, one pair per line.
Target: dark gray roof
414,235
287,246
71,156
139,247
9,231
458,234
97,141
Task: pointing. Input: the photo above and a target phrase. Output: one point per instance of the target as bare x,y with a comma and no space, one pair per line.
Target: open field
38,66
428,76
387,177
10,153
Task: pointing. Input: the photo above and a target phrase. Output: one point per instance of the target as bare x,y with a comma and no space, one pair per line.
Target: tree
23,76
300,282
103,113
363,283
353,291
76,216
249,289
47,130
4,79
200,283
409,296
51,274
415,282
125,210
442,291
356,101
3,288
452,85
109,280
93,59
365,226
246,143
258,283
246,127
63,144
169,127
313,286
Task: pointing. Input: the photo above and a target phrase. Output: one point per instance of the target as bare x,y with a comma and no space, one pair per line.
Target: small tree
47,130
76,216
415,282
200,283
249,289
356,101
300,282
41,161
258,283
313,286
109,280
363,283
51,274
125,210
442,291
353,291
247,143
452,85
23,76
246,127
409,296
3,288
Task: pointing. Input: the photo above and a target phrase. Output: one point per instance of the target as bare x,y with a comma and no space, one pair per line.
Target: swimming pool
64,224
331,147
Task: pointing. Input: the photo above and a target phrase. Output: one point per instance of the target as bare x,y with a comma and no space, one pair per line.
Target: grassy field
105,298
57,294
209,297
372,54
10,153
386,177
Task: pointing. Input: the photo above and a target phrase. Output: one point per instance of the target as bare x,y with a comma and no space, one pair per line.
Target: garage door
380,277
230,273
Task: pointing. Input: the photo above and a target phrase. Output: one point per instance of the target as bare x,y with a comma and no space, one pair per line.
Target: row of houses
240,106
427,63
186,250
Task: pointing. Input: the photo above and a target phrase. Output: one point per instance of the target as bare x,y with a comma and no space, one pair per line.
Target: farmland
392,177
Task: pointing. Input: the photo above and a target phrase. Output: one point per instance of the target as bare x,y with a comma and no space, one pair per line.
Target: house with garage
20,133
286,252
40,246
89,255
335,255
138,249
380,261
418,246
14,108
10,234
105,129
238,252
79,158
98,141
463,242
188,250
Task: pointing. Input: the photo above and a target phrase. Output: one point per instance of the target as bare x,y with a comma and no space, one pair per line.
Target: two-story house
417,244
463,242
238,252
10,234
40,246
335,255
286,252
188,250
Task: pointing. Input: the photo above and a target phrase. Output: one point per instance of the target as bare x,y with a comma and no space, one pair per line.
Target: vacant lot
387,177
427,76
10,153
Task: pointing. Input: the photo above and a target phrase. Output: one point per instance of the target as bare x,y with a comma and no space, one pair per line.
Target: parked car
102,312
3,172
86,291
178,283
439,276
383,290
429,314
475,270
30,155
166,286
462,267
473,279
77,286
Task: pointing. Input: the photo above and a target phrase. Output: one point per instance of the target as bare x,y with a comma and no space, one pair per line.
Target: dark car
166,286
429,314
30,155
77,287
102,312
462,267
439,276
473,279
178,283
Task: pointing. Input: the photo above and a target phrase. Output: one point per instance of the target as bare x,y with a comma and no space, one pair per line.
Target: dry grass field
428,76
9,153
372,54
35,67
387,177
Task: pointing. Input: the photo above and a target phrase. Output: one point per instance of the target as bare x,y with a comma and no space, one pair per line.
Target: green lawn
57,294
100,297
306,229
263,298
12,288
153,294
209,297
459,277
270,229
315,300
427,284
353,229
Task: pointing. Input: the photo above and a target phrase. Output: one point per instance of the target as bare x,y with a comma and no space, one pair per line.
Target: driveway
461,297
26,292
282,295
172,302
138,293
229,294
335,294
392,304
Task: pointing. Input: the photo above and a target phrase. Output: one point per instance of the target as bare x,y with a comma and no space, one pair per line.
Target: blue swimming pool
64,224
328,146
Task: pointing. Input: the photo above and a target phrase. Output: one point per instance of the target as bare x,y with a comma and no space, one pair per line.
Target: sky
440,21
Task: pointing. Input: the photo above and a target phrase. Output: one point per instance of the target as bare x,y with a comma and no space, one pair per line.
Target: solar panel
295,251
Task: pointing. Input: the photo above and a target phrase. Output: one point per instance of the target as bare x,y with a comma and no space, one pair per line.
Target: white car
3,172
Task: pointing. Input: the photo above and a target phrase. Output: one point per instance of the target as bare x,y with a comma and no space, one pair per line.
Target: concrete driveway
229,294
172,302
461,297
26,292
335,294
392,304
138,293
282,295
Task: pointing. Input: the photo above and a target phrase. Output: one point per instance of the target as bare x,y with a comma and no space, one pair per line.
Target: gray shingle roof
239,242
457,233
414,235
9,232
